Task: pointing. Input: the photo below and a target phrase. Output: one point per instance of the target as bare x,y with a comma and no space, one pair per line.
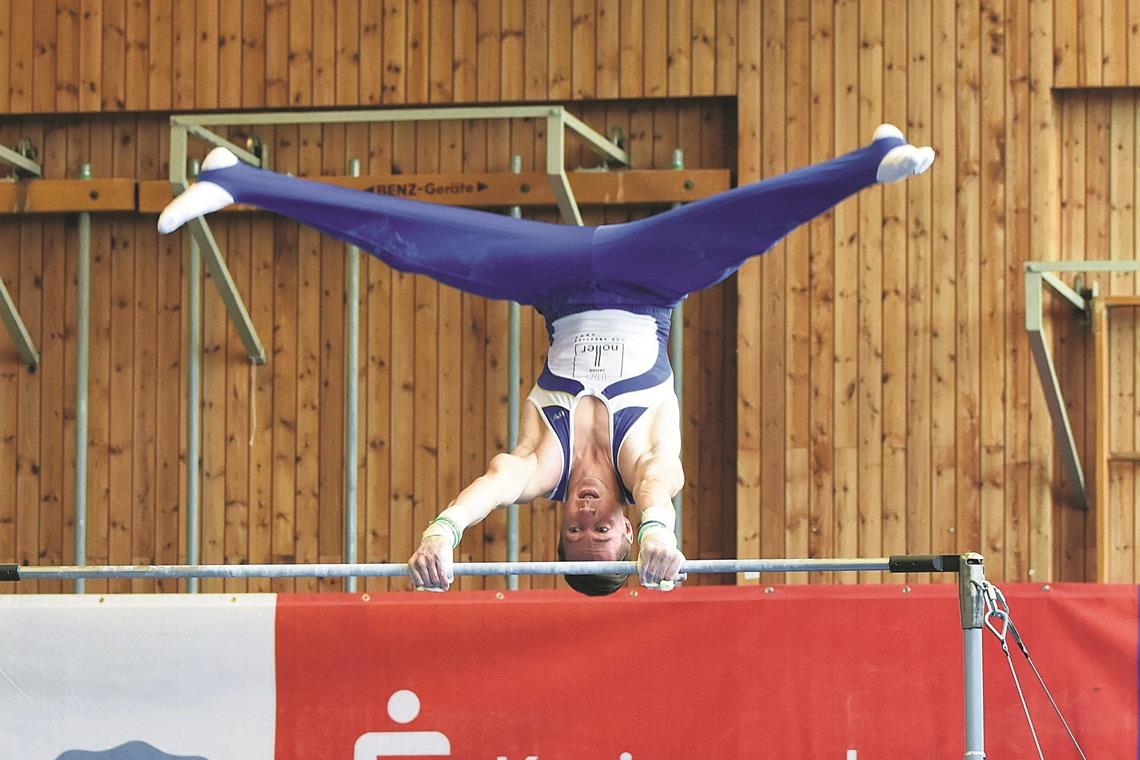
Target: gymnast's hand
430,566
659,561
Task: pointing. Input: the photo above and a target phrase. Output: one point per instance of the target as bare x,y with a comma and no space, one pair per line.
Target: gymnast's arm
531,470
657,478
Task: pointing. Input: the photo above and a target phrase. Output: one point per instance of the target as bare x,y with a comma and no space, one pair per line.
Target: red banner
801,672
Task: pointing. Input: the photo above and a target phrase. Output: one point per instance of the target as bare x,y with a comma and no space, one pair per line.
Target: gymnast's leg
486,254
695,246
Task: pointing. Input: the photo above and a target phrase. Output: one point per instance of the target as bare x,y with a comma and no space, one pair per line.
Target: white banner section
137,677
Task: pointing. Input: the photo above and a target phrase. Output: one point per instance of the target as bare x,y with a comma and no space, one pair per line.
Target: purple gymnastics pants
653,262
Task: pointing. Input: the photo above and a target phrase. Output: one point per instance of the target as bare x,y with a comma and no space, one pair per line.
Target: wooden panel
870,293
749,493
966,352
323,49
943,329
895,345
62,195
918,292
991,287
21,62
846,293
879,352
114,96
487,190
44,61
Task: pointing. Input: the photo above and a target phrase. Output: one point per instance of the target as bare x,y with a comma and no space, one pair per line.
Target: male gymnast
601,428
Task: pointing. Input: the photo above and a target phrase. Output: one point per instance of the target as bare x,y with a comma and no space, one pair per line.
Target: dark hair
601,584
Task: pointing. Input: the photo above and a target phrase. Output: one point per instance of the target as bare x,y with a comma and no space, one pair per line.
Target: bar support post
971,575
193,400
677,356
82,364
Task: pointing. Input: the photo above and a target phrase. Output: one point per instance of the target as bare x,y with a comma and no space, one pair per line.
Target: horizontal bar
341,570
1082,266
352,117
47,196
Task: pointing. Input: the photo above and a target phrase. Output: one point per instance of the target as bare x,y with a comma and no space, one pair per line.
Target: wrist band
658,528
447,526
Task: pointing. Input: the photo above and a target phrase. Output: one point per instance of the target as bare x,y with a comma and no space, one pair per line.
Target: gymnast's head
594,529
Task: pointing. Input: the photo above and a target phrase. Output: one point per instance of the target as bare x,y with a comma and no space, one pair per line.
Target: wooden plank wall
433,379
874,366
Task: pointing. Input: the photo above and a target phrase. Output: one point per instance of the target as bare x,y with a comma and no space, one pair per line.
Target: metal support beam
556,168
82,362
971,607
216,139
351,393
1054,398
178,158
677,357
9,315
597,142
193,403
370,115
16,328
27,165
216,265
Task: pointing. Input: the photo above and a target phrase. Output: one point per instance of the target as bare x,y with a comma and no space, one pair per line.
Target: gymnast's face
594,525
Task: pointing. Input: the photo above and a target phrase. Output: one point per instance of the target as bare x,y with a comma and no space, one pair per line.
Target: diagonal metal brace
227,290
556,168
17,330
21,162
1050,384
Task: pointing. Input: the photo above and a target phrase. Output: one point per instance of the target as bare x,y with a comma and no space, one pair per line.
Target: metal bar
351,392
975,714
216,139
597,142
9,156
1062,289
396,570
178,158
1082,266
1051,385
16,328
82,364
216,264
513,339
352,117
677,357
556,168
971,607
193,401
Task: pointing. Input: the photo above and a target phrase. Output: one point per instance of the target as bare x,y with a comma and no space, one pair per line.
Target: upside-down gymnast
601,429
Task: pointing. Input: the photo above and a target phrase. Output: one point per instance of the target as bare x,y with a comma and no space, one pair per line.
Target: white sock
904,161
200,198
887,130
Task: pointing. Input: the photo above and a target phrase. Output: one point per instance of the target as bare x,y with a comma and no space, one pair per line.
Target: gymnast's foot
902,161
201,197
